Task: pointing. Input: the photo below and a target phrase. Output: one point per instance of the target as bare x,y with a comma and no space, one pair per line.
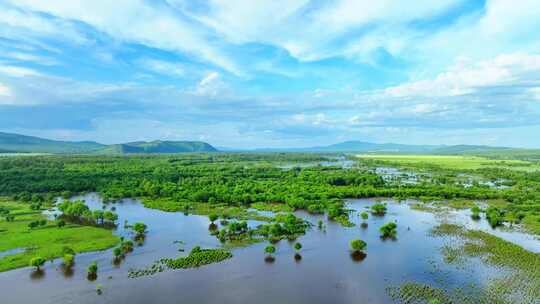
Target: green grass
453,161
46,241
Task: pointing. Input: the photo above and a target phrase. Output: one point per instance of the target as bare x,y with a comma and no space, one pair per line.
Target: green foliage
37,262
364,215
378,209
213,217
92,269
139,228
297,246
494,216
197,257
388,230
270,249
68,259
358,245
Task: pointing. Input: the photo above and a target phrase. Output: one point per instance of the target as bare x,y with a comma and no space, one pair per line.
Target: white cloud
4,90
15,71
139,22
163,67
211,86
504,70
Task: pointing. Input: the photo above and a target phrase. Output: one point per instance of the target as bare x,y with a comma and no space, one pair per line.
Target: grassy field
46,241
453,161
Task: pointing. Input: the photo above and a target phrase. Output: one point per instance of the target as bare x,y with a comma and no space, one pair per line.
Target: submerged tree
378,209
358,245
297,247
270,250
92,271
69,260
388,230
37,262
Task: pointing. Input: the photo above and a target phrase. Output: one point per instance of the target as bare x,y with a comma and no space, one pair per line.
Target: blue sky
272,73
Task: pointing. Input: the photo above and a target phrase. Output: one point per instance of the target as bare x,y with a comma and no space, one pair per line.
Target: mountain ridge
17,143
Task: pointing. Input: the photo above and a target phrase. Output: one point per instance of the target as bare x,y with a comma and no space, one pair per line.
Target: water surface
326,273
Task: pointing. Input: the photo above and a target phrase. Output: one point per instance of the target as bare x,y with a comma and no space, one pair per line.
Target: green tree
139,228
388,230
213,217
297,246
358,245
270,249
364,215
92,269
69,259
37,262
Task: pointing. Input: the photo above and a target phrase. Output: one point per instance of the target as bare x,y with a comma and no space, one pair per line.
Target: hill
16,143
159,146
22,143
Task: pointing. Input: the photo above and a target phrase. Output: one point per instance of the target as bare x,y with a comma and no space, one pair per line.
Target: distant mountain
360,146
367,147
159,147
15,143
22,143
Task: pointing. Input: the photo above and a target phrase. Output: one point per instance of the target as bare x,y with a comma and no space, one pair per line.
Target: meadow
47,240
457,162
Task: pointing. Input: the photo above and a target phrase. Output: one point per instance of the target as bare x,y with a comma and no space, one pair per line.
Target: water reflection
37,275
358,256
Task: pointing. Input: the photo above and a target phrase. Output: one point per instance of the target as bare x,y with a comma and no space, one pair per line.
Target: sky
272,73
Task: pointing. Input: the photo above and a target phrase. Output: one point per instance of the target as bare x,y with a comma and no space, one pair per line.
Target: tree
68,250
378,209
117,252
33,224
60,223
297,246
92,269
139,228
364,215
69,259
358,245
270,249
98,216
37,262
110,216
388,230
213,217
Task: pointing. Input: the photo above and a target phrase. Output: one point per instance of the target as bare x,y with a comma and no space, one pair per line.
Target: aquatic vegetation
522,268
388,230
197,257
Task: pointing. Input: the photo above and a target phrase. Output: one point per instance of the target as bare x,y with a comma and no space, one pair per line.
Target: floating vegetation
196,258
519,278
